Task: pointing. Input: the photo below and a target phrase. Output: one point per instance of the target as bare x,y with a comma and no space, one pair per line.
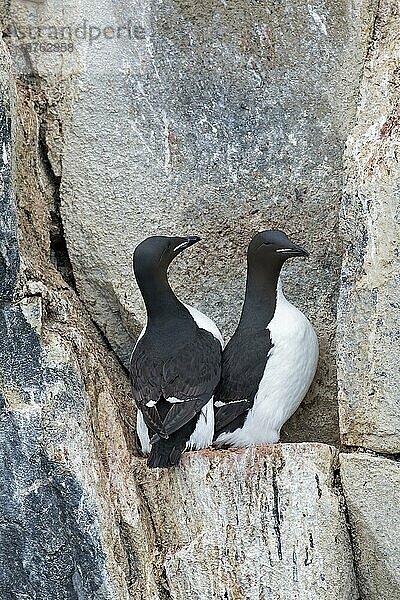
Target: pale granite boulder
371,486
368,334
253,524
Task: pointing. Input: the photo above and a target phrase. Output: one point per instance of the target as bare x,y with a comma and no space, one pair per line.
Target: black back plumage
186,367
240,377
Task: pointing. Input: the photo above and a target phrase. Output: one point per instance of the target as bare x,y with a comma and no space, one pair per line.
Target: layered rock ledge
266,522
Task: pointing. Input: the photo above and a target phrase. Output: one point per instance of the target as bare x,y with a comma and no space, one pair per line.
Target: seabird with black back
270,361
176,362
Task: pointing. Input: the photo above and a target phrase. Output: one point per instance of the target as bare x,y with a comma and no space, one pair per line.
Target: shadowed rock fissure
370,45
337,484
277,518
58,245
362,450
162,580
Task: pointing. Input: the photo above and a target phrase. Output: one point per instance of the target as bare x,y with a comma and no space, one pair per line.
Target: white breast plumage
204,432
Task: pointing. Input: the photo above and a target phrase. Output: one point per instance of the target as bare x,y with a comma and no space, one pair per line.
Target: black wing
189,376
243,365
145,376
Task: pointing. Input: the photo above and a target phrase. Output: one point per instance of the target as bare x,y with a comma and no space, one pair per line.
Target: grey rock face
221,121
52,539
9,256
56,514
49,542
372,488
368,311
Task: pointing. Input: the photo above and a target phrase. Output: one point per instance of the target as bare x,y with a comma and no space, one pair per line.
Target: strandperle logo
85,31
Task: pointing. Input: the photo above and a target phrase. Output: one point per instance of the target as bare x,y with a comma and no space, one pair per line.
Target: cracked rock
372,488
251,524
368,337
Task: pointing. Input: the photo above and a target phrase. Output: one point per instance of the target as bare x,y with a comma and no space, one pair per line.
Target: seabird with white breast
270,362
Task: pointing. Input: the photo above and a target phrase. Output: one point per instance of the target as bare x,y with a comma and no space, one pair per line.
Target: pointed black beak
293,251
192,239
185,242
298,251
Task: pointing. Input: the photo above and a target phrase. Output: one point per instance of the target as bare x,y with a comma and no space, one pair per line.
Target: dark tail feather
165,453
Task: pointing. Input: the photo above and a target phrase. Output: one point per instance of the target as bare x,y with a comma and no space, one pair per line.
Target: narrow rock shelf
266,522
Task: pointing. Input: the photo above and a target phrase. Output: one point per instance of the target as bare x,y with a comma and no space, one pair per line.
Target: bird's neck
160,301
263,287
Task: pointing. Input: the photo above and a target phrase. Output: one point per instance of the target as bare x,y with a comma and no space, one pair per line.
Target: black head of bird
151,260
156,253
273,247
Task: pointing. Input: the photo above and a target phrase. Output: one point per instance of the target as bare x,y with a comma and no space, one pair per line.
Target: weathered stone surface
70,526
65,531
9,256
368,314
372,489
214,119
205,112
254,524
